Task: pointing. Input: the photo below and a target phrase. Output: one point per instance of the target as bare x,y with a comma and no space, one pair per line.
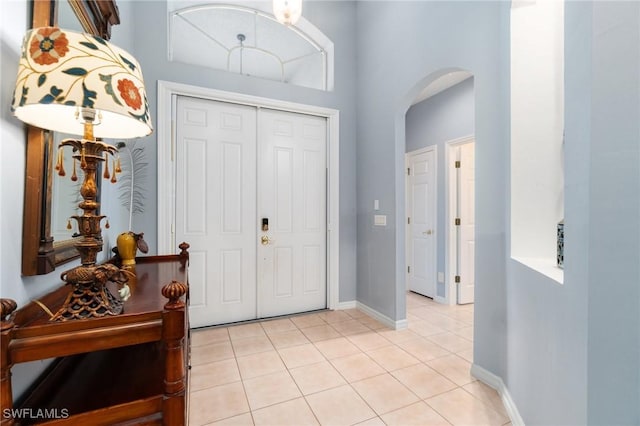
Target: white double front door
251,202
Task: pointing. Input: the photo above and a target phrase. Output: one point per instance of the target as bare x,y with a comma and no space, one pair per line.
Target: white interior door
422,227
292,200
216,207
236,165
466,244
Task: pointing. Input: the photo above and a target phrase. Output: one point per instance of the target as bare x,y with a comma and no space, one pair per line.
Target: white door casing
466,234
422,208
292,198
166,140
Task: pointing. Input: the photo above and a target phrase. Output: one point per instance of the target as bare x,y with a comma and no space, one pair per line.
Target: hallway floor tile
342,368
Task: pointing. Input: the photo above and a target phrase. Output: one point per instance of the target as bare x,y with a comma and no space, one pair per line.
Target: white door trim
409,203
450,212
167,169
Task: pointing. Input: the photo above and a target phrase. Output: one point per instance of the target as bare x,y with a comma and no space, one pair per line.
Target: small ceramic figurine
128,244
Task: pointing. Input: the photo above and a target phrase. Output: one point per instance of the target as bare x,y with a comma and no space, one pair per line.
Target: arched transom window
249,41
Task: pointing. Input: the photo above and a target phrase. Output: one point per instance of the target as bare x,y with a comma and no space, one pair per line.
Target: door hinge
408,171
408,221
457,164
457,279
408,269
457,222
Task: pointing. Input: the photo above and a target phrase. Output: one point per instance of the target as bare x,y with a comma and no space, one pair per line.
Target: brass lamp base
90,298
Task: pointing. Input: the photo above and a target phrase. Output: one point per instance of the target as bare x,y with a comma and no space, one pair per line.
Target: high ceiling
243,37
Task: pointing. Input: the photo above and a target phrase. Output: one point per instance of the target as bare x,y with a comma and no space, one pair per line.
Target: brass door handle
428,232
265,240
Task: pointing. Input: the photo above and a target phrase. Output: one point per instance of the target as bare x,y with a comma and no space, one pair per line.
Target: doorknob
428,232
265,240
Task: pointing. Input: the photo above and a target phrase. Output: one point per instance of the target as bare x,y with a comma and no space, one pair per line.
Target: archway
437,126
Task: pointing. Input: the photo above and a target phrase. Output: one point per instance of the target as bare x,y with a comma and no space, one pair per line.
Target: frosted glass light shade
287,11
62,72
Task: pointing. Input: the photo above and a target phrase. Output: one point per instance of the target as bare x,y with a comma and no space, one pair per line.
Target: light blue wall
574,349
336,20
613,368
14,21
444,117
568,354
547,333
402,47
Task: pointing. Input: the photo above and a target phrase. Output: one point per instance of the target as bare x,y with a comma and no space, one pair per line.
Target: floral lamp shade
63,73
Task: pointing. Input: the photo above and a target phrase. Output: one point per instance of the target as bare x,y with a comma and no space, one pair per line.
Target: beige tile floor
342,368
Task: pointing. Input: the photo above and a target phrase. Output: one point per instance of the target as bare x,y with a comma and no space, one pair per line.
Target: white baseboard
496,383
346,305
396,325
442,300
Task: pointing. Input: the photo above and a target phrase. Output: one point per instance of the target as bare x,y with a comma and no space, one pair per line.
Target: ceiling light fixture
241,39
287,12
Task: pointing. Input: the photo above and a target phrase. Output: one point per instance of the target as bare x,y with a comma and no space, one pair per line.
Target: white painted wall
537,124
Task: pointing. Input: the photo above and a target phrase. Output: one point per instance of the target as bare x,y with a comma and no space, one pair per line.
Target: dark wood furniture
124,369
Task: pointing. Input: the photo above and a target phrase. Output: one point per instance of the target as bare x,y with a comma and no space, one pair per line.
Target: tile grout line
346,334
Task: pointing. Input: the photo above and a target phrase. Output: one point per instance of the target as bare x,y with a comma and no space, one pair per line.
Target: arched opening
439,198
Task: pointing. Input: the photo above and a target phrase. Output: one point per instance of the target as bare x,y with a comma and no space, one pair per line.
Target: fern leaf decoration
132,181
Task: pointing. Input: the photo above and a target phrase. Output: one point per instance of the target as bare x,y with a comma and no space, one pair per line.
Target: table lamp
83,85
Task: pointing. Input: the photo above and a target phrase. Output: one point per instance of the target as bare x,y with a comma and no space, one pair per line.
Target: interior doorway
461,219
441,115
422,208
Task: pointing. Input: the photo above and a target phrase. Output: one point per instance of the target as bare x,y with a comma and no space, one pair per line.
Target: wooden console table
124,369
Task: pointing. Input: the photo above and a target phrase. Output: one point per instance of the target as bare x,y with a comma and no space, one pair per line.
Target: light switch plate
440,277
380,220
376,204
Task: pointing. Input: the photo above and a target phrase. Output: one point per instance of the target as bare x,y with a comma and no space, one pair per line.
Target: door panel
225,189
283,276
292,196
216,207
422,208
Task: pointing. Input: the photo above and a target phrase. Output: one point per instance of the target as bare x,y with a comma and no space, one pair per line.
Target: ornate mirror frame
39,254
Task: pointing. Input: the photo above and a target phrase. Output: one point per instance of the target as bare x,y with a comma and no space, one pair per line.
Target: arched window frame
303,29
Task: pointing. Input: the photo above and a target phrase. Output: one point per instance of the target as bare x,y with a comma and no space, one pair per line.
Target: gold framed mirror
41,254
